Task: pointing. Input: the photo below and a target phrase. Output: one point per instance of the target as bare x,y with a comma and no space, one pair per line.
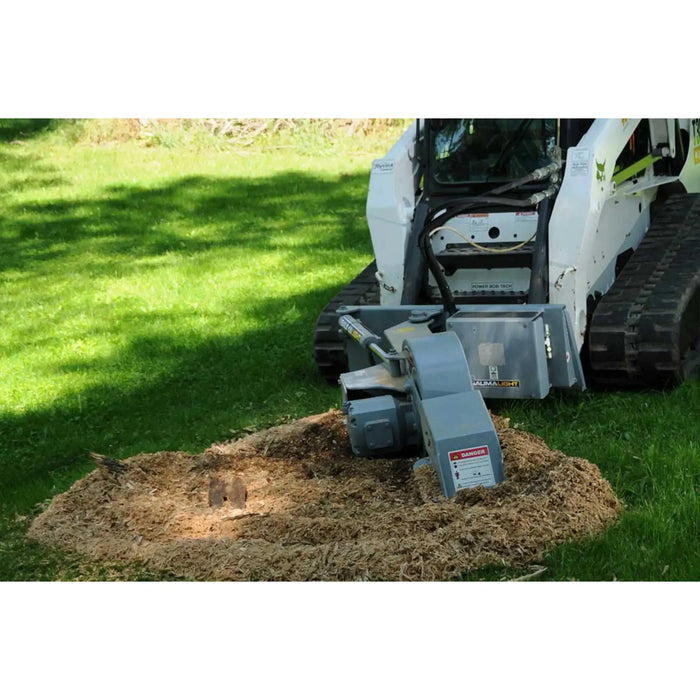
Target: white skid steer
509,255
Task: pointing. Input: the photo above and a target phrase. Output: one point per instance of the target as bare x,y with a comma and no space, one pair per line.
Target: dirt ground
316,512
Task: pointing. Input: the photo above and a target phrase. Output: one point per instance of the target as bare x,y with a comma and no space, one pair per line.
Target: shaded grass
18,129
137,317
164,299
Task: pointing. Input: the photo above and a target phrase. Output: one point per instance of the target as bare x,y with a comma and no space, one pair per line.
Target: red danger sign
471,467
468,454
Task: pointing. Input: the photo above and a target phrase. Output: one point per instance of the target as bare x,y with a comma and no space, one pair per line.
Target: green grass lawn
156,298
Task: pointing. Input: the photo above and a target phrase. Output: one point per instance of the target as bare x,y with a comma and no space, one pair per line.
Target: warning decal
579,161
478,223
471,467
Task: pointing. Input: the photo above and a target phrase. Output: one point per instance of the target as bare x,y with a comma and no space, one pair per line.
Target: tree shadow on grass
16,129
188,394
189,215
162,391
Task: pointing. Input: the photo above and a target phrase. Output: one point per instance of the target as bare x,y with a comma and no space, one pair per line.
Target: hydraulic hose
480,200
535,198
490,197
534,176
537,293
448,299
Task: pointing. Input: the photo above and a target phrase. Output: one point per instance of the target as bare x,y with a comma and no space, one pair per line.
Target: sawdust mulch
315,512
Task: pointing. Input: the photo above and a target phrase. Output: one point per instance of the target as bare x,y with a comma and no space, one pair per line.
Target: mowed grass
647,444
165,298
157,299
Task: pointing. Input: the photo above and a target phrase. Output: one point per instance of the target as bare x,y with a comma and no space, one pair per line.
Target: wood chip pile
306,509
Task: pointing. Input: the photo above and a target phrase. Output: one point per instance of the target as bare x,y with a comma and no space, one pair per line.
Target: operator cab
486,205
471,154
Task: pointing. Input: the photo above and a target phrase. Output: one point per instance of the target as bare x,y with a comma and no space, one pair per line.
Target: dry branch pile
244,132
315,512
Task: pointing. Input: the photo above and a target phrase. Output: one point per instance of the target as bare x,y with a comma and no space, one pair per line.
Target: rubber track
645,330
329,348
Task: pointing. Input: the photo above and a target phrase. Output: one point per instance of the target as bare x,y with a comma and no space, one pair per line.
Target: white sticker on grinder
471,467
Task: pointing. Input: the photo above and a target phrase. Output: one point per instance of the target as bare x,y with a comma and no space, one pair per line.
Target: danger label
471,467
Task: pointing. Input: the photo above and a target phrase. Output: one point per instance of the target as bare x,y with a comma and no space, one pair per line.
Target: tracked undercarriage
646,330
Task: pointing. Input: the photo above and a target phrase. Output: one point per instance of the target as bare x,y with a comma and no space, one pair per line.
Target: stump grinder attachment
420,382
421,394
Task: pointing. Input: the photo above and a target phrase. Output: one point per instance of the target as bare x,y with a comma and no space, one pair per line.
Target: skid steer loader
510,254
